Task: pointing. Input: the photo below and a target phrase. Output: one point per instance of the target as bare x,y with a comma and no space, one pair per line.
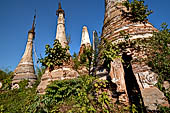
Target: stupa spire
85,41
60,10
60,33
85,37
33,25
25,68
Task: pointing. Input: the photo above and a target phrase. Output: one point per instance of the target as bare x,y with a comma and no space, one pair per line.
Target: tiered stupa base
65,72
24,71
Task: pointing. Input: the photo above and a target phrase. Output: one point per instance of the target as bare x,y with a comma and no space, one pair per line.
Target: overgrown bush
108,52
16,101
84,94
76,61
136,11
56,56
6,79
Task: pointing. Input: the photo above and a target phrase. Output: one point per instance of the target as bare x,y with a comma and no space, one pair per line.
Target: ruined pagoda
134,80
25,68
85,40
65,71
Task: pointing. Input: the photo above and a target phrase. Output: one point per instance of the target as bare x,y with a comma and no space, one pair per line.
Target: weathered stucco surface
25,68
85,39
63,72
60,34
57,74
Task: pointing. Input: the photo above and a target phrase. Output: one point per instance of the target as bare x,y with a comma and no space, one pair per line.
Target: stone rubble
153,97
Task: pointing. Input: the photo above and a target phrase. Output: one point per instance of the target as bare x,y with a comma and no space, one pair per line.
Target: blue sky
16,18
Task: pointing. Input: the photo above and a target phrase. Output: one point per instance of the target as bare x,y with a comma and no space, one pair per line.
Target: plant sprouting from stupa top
56,56
137,11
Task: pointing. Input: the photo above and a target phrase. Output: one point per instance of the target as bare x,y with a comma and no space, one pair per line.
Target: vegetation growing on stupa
136,11
88,93
56,56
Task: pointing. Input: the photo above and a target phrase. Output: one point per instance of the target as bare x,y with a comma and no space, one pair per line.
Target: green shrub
56,56
137,11
16,101
6,79
84,94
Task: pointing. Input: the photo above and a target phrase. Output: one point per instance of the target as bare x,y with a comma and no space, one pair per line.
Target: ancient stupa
64,72
135,79
85,40
85,44
25,68
60,33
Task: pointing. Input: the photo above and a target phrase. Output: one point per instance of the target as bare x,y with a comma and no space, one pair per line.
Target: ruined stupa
134,79
60,73
85,44
25,68
85,40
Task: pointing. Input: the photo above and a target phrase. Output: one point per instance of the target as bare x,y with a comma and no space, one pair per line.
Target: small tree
136,11
56,56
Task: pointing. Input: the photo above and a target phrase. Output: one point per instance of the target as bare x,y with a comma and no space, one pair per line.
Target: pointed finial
60,10
33,24
59,5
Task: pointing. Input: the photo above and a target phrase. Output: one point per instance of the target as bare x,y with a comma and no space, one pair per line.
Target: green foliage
76,61
108,52
159,47
83,94
136,11
96,49
16,101
23,84
86,58
164,109
2,109
83,59
39,72
6,79
134,108
56,56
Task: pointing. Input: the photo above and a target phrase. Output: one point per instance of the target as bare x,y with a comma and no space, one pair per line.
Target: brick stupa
135,79
114,22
